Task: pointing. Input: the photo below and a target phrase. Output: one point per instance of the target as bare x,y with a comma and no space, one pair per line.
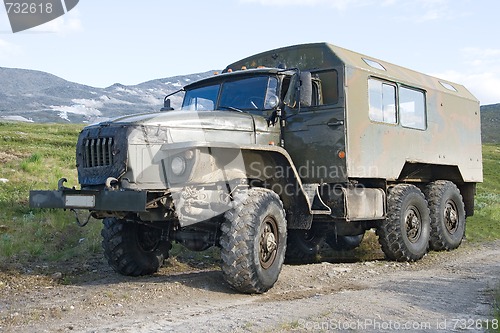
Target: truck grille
98,152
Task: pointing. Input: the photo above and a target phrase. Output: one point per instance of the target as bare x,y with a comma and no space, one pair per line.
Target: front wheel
133,249
253,241
404,235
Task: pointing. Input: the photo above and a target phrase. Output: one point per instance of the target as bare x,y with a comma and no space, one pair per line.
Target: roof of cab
232,74
324,55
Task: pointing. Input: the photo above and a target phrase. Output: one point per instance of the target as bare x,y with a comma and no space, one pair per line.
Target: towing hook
110,181
60,184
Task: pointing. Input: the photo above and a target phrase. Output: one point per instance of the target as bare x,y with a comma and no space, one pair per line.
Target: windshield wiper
232,108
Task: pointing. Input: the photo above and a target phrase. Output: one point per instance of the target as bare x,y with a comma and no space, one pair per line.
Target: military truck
283,152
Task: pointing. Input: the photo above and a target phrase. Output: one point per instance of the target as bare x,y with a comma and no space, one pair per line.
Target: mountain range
29,95
35,96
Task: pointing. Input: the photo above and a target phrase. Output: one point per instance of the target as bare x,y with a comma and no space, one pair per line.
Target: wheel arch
426,173
274,169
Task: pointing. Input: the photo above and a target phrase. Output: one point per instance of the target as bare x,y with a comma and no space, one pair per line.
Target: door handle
335,123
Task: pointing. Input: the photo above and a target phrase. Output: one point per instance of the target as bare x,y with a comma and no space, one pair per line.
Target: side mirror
300,90
166,105
290,100
305,89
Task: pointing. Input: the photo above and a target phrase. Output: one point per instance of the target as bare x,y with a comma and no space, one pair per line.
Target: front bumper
102,200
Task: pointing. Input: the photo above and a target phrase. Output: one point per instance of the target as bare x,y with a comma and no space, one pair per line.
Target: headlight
178,165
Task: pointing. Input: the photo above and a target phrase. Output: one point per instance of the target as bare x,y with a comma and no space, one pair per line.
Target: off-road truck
283,151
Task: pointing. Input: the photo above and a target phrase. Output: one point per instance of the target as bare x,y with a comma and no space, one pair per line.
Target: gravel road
443,292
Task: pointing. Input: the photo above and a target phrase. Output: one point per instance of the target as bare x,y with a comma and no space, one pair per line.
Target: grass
36,156
484,225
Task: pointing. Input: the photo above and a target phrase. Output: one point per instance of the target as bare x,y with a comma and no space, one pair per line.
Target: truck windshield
246,94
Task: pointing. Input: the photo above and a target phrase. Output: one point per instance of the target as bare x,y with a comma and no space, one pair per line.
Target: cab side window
324,88
329,86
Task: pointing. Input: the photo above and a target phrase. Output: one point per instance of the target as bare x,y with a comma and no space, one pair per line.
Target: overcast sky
99,43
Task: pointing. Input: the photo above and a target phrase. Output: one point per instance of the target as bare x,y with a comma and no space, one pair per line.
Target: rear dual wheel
447,214
405,234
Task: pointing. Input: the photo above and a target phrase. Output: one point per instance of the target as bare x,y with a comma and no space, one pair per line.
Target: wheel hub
268,243
413,224
451,217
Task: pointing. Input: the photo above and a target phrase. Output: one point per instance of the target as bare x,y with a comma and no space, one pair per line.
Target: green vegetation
484,225
36,156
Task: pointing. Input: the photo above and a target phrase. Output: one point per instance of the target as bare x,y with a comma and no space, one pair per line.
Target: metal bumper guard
98,200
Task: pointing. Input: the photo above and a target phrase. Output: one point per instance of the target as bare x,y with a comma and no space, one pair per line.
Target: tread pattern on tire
440,239
239,261
123,253
390,233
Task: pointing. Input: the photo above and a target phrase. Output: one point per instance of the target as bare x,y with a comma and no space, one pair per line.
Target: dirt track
446,291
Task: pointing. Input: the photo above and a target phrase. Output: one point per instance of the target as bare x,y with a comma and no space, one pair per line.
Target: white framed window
412,108
382,100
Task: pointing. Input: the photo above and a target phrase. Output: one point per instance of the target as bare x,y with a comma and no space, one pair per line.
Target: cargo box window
374,64
448,86
382,97
412,108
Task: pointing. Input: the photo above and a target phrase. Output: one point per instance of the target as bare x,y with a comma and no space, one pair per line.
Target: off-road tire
303,246
404,235
253,241
132,249
447,215
344,243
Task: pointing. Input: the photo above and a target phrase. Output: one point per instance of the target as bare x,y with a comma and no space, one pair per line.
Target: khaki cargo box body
447,133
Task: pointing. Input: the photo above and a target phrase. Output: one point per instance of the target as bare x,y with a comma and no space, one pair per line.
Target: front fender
224,163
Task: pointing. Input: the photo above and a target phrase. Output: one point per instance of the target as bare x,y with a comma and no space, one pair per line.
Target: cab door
314,133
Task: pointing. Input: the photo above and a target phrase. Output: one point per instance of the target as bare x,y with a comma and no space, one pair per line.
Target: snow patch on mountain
77,109
112,100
